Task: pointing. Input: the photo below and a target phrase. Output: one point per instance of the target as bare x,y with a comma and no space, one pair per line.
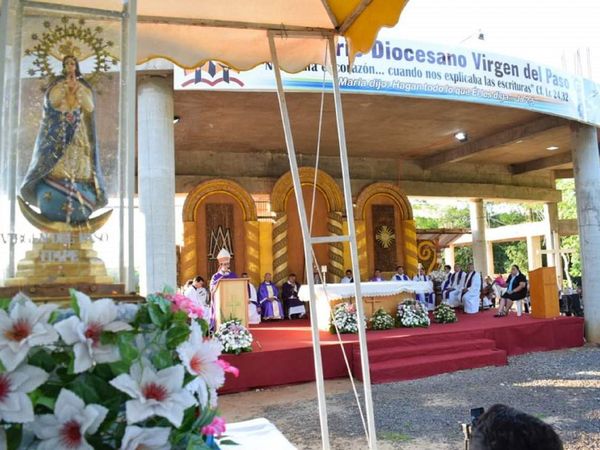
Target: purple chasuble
270,309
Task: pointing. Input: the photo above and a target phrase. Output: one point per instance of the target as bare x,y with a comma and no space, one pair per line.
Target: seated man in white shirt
400,275
348,278
253,306
198,294
454,295
471,293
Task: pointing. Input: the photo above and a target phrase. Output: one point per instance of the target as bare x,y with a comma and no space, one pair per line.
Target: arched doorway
385,228
219,214
288,253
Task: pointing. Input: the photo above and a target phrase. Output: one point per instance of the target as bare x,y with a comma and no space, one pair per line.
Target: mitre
223,255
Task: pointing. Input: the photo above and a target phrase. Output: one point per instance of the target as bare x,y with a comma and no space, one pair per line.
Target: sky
540,30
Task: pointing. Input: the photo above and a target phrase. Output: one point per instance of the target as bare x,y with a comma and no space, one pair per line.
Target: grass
395,437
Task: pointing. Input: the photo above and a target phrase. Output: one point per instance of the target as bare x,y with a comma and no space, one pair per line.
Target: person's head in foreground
504,428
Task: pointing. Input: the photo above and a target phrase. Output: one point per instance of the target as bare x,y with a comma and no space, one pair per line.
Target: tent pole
306,239
362,336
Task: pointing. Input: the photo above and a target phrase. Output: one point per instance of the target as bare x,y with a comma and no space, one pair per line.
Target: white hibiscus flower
154,393
71,422
137,438
84,332
15,404
24,326
200,357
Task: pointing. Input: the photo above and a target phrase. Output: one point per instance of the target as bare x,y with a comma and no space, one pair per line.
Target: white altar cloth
256,434
340,291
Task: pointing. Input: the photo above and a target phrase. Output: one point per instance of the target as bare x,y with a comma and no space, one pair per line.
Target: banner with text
416,69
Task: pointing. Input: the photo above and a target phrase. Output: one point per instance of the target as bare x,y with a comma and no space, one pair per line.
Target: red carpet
282,351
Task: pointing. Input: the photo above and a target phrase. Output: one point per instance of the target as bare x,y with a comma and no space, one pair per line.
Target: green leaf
227,442
108,338
164,304
168,290
197,443
142,316
4,303
180,317
43,360
162,359
127,348
158,317
74,303
48,402
13,436
84,387
177,335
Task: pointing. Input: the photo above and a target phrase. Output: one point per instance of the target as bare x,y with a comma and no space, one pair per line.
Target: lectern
544,293
231,300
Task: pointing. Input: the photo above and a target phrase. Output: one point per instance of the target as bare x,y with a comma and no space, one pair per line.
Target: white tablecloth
369,289
256,434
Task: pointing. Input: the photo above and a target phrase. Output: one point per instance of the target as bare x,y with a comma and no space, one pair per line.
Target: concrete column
534,257
449,256
490,258
156,183
477,214
552,239
586,168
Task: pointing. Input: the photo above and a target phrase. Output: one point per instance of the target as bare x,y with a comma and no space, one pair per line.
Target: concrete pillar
586,168
490,258
534,257
552,239
449,256
477,214
156,183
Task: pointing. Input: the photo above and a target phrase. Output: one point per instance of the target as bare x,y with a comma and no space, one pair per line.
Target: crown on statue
70,38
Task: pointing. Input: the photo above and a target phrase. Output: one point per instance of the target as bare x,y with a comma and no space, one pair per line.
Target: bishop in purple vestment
224,258
269,303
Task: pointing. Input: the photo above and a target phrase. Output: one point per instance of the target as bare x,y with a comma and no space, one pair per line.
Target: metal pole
130,108
362,336
289,141
122,158
4,21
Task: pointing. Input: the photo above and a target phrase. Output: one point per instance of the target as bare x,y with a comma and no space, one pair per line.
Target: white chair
256,434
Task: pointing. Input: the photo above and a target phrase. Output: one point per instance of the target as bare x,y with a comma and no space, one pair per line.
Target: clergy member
224,259
428,300
471,293
348,278
253,306
197,293
269,303
289,294
400,275
447,284
458,284
377,276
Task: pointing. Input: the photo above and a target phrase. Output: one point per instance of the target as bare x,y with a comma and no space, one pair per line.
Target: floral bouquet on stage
108,376
411,313
382,320
438,276
344,318
444,314
234,337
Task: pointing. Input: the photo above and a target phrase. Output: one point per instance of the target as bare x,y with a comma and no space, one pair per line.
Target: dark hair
377,270
77,70
448,267
502,427
398,267
292,275
244,275
198,279
189,282
516,267
348,270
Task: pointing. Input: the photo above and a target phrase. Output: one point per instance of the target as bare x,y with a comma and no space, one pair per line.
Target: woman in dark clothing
516,290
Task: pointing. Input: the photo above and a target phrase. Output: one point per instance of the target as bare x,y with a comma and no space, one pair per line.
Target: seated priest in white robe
427,300
471,293
447,283
253,306
400,275
458,283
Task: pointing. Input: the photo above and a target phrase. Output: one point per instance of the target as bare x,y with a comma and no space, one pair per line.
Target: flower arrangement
444,314
108,376
234,337
344,317
438,276
411,313
382,320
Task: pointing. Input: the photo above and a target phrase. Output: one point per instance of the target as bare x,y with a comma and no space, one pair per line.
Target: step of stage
438,348
425,360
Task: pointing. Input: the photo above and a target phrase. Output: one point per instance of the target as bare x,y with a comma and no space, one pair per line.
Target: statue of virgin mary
64,179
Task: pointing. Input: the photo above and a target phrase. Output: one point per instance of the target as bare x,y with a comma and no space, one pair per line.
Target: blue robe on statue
269,302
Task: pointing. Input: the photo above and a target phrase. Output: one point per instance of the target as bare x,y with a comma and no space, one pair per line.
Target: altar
380,294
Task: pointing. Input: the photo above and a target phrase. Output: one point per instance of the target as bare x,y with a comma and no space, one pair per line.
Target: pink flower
215,428
183,303
228,367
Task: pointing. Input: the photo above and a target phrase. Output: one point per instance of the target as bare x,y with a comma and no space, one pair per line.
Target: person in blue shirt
516,290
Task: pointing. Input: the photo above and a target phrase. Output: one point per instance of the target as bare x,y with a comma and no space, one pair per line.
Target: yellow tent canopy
191,32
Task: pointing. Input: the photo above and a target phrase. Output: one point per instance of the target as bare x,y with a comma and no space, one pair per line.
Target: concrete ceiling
376,125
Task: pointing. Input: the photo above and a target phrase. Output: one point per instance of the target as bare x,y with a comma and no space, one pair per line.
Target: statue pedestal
64,259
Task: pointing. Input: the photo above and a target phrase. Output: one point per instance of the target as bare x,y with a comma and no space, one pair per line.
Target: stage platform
282,351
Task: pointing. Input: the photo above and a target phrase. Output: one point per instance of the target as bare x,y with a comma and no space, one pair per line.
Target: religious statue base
60,261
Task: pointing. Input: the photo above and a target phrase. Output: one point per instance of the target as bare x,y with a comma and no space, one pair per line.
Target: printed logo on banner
211,74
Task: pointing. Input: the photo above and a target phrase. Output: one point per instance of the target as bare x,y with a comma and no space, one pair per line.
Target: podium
544,293
231,300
